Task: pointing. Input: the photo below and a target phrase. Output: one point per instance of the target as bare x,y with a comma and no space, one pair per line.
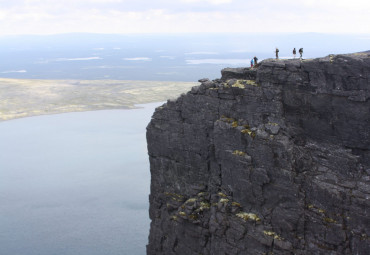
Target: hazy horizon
157,57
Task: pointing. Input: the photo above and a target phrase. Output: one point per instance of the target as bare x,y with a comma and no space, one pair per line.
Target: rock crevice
274,159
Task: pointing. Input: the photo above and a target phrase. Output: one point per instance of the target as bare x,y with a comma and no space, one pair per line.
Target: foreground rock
268,161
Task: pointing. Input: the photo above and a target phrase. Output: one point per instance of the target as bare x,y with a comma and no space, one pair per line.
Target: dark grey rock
203,80
269,160
238,73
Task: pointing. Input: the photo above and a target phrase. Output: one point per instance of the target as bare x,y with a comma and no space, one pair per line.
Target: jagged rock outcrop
271,160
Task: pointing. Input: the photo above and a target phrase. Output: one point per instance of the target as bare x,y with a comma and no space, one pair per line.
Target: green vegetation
226,119
248,216
28,97
331,58
221,194
249,132
174,218
175,197
190,200
323,213
201,194
182,214
273,235
235,124
204,206
239,153
236,204
251,82
329,220
242,83
193,217
224,200
238,84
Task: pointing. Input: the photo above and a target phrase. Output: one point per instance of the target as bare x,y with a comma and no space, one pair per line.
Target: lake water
75,183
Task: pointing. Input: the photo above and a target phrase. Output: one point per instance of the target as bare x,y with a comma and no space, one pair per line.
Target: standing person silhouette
277,53
294,52
252,62
301,52
255,60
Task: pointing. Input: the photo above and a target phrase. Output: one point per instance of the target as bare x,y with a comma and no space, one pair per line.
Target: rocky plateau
273,159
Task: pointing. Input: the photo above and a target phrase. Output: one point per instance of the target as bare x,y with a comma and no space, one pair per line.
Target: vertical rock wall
270,160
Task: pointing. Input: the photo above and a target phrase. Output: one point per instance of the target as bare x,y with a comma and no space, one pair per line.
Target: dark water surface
75,183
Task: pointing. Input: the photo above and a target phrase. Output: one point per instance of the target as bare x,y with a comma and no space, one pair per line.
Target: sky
183,16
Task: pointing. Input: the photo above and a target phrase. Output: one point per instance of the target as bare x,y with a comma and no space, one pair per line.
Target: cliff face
274,159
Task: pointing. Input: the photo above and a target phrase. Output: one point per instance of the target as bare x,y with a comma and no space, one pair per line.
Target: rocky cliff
269,160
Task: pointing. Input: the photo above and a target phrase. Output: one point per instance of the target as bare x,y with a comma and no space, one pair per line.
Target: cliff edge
268,160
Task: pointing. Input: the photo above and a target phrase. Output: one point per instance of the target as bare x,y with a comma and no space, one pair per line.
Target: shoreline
135,107
21,98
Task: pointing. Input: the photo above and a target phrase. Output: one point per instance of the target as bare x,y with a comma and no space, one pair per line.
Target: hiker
301,52
277,53
255,60
294,52
252,62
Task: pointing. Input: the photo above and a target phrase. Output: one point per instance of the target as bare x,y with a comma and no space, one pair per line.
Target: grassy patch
248,216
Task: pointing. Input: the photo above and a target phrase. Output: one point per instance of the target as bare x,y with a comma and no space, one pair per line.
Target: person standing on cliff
301,52
255,60
277,53
252,62
294,52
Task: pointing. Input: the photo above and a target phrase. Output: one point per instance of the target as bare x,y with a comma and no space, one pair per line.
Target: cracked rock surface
268,160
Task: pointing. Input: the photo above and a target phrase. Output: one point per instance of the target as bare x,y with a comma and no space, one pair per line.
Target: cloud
217,61
109,67
168,16
138,59
46,61
216,2
201,53
77,59
168,57
15,71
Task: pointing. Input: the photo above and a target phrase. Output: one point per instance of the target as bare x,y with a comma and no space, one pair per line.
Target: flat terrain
27,97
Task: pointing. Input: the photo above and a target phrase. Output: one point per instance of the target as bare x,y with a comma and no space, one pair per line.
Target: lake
75,183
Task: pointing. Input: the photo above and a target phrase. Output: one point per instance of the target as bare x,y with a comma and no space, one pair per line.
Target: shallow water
75,183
